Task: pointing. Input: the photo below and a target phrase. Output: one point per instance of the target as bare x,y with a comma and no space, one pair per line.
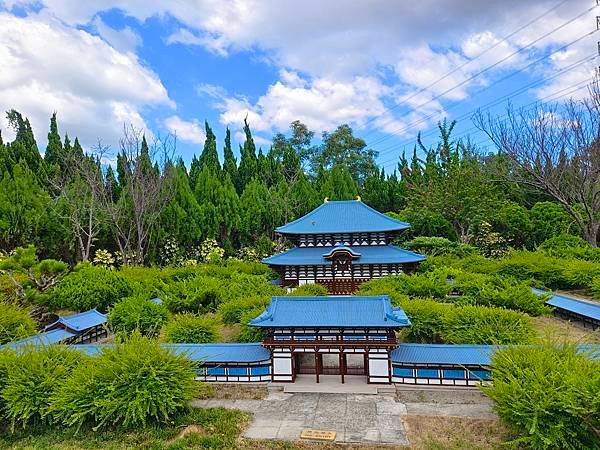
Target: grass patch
211,428
454,433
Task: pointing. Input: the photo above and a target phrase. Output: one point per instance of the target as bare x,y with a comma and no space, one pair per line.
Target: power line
571,90
498,100
505,59
504,39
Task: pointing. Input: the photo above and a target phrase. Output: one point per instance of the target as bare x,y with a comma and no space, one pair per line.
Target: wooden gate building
341,244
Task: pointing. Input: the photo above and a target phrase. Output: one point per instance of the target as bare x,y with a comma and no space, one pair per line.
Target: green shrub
232,312
195,295
33,376
134,383
138,313
310,290
7,357
427,318
418,285
435,246
15,323
550,394
248,333
191,329
487,325
90,287
596,287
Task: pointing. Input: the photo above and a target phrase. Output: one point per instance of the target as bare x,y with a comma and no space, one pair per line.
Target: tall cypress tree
54,150
24,146
209,157
77,149
248,161
229,163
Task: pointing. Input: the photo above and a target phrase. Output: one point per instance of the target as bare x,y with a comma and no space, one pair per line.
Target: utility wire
571,90
472,77
456,69
498,100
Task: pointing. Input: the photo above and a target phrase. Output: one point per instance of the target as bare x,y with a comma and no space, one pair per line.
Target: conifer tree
24,146
248,167
255,211
54,150
209,157
195,169
229,162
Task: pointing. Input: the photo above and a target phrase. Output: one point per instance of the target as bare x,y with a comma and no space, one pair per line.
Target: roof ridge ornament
326,199
358,199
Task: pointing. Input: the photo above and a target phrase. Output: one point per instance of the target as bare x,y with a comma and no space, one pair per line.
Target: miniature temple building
342,335
341,244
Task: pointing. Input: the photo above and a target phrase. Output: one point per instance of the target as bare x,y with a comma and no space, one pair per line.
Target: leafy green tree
548,219
342,148
513,223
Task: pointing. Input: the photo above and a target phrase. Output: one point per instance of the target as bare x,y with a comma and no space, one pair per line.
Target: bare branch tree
556,150
144,192
79,189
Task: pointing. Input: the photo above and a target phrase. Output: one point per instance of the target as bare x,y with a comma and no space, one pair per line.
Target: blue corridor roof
332,311
79,322
313,256
46,338
350,216
209,353
582,307
443,354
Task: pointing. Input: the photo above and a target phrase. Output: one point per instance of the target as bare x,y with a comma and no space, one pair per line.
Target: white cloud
184,36
321,104
187,131
124,40
47,67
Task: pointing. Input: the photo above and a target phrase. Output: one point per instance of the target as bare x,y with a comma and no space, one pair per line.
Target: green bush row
134,383
434,322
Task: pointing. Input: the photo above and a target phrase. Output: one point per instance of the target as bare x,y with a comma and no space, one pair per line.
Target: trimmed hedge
132,384
90,287
550,394
15,323
434,322
138,313
310,290
232,312
191,329
248,333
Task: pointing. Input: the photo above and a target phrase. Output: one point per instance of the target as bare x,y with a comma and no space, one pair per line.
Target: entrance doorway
319,364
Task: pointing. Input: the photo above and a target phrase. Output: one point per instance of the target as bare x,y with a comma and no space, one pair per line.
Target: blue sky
165,67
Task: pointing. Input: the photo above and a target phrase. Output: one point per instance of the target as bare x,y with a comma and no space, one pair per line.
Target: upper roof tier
349,216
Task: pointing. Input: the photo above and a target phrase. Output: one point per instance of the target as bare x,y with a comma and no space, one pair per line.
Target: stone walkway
356,418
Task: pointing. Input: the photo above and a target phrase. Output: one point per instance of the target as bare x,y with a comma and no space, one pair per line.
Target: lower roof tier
316,256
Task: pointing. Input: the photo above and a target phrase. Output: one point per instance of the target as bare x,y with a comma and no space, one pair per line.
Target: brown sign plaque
318,435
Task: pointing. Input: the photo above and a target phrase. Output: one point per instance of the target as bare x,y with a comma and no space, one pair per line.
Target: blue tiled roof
208,353
442,354
461,354
313,256
221,353
45,338
333,311
79,322
584,308
351,216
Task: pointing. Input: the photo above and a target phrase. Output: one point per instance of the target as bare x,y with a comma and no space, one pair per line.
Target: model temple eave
314,256
351,216
331,312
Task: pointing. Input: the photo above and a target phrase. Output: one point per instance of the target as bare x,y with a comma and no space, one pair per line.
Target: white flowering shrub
104,258
210,251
